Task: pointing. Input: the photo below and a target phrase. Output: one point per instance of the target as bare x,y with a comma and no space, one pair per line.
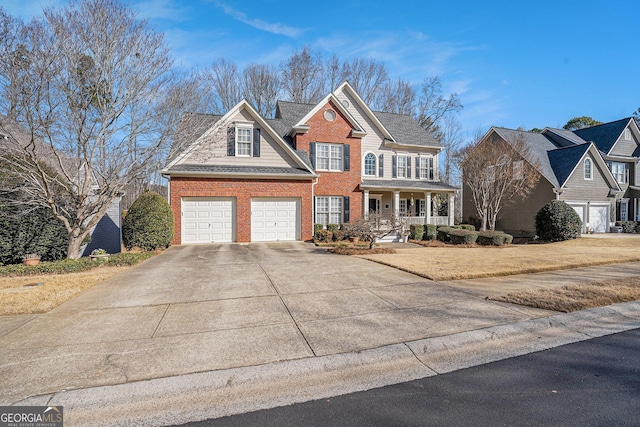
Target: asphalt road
591,383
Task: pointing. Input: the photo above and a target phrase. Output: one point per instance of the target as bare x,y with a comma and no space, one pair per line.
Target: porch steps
391,238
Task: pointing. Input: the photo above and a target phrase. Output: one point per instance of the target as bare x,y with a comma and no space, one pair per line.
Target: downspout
313,207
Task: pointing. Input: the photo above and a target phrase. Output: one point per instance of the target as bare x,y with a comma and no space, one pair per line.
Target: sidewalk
249,331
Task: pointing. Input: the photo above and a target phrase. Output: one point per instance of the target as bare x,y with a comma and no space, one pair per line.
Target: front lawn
40,288
452,262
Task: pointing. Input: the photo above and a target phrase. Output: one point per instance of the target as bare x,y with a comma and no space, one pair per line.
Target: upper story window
627,134
243,140
370,164
518,169
620,172
587,169
426,168
401,166
329,157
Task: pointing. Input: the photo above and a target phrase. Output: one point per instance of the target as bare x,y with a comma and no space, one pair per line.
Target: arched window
370,164
587,169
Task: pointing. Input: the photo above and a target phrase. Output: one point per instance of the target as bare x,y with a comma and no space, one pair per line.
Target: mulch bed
360,251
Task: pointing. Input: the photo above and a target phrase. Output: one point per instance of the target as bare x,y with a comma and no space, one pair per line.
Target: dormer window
243,142
627,135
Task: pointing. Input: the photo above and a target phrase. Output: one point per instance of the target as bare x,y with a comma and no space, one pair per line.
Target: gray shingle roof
191,127
406,184
564,160
405,130
249,170
539,146
605,135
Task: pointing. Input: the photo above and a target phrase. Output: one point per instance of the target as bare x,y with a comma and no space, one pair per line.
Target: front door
374,205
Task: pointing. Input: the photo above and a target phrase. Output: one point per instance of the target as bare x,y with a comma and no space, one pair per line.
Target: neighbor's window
427,168
627,135
328,210
243,141
518,169
329,157
587,169
620,171
401,167
370,164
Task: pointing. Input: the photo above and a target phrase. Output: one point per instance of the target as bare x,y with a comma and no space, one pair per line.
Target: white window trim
375,164
404,169
248,127
424,159
331,201
329,145
616,174
627,134
584,165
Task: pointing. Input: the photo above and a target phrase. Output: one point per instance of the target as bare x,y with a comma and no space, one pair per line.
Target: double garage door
214,219
596,215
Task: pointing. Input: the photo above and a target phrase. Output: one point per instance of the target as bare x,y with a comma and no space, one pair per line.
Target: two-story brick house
241,177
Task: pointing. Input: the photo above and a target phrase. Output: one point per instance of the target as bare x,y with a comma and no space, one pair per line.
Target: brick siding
243,190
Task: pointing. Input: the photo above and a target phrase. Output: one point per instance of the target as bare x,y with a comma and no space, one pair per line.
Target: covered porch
417,202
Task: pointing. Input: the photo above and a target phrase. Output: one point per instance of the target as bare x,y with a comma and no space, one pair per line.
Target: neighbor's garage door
581,210
275,219
208,219
599,218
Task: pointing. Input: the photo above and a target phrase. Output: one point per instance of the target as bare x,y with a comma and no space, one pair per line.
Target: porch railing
435,220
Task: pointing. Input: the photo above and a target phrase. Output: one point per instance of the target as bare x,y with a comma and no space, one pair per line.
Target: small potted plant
99,253
31,259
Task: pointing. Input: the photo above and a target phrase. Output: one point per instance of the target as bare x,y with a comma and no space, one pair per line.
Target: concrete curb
213,394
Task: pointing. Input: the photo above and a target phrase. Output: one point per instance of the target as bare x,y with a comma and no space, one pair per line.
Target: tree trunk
73,250
372,244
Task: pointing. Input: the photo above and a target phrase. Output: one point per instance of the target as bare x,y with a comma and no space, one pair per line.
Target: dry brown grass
452,263
577,297
341,250
39,294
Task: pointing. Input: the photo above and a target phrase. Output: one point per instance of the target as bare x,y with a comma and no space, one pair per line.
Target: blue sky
513,63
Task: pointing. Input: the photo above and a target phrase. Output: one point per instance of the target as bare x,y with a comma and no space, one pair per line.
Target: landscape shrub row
629,226
74,265
466,235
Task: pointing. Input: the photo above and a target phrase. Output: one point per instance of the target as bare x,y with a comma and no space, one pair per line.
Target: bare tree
451,140
333,73
376,226
498,172
226,83
397,97
433,106
261,87
366,76
303,76
87,97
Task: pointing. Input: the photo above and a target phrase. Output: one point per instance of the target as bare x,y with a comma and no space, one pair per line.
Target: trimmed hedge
74,265
495,238
416,231
443,233
333,227
558,221
149,223
430,232
463,236
466,227
324,236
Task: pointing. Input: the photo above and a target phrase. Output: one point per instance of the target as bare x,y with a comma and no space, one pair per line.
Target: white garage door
208,219
275,219
581,210
598,218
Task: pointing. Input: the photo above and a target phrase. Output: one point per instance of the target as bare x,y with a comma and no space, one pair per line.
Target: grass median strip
577,297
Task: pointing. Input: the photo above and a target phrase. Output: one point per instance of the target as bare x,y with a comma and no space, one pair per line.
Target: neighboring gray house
593,169
107,234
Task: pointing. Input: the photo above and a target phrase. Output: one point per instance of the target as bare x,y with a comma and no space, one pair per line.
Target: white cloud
160,9
274,28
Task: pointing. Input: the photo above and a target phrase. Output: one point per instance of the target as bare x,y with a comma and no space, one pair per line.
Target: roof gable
564,161
301,125
213,125
604,136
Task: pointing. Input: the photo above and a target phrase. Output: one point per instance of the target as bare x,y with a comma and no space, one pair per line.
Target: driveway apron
212,307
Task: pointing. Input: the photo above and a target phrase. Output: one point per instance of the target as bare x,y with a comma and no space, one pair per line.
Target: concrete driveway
212,307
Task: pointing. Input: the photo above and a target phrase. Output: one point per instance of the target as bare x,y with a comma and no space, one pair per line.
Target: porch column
452,217
427,208
396,204
366,204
